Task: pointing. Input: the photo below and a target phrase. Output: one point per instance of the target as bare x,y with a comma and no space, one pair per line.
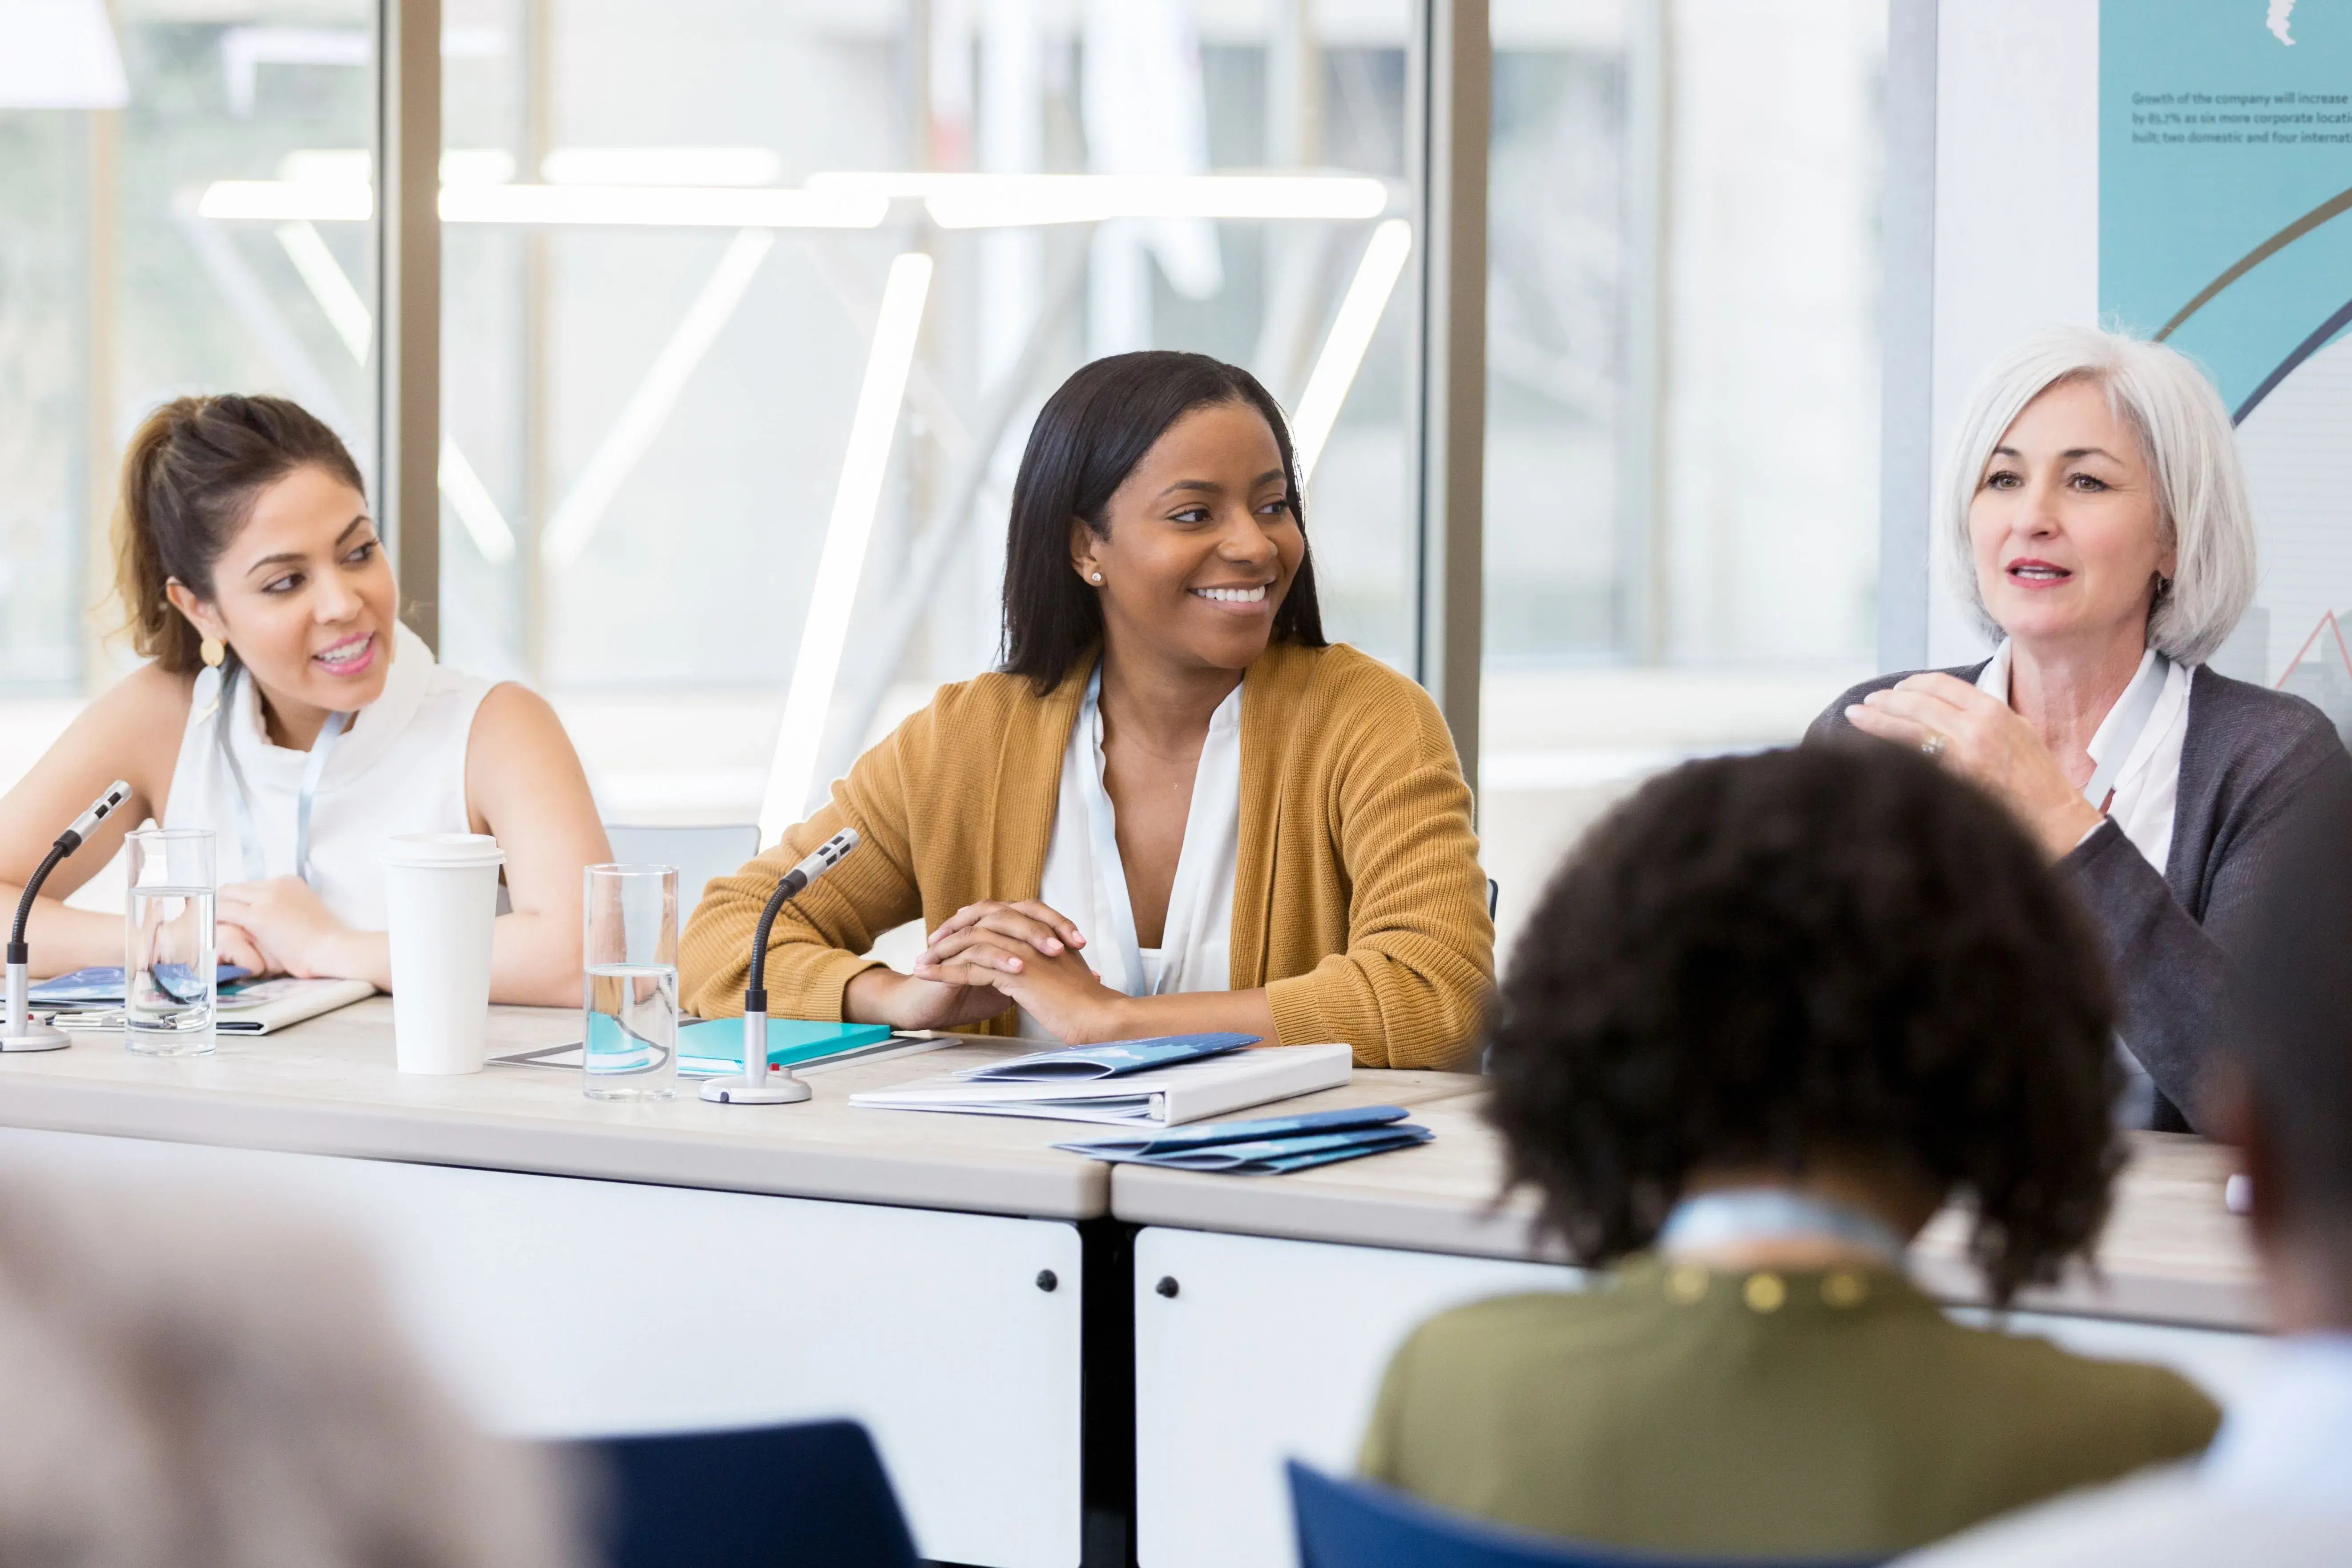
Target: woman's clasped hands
987,955
1985,740
281,927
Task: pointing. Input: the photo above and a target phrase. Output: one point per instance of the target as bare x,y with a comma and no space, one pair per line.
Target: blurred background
646,423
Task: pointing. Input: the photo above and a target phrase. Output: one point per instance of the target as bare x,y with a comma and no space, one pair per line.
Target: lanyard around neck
2132,713
1773,1214
241,799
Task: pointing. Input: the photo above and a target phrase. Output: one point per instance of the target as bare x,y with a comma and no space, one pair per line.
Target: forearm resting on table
63,939
1194,1012
535,960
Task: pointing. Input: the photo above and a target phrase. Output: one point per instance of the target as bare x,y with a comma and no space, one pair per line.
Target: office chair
1348,1525
808,1496
699,853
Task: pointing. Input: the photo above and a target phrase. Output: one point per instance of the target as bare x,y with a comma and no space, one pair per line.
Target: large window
1682,451
729,442
117,291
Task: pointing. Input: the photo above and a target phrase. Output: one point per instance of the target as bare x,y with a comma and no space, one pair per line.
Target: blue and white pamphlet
1267,1145
1114,1060
102,987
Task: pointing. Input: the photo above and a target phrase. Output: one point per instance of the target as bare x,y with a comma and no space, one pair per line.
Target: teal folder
712,1046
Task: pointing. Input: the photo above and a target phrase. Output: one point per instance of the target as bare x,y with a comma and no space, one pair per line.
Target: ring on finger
1933,746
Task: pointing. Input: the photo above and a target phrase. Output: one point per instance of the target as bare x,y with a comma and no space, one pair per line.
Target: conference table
1061,1361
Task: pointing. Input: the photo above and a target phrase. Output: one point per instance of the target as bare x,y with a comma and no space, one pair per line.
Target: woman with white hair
2095,516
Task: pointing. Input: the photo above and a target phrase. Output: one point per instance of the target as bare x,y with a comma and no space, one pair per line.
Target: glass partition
747,314
119,289
1681,446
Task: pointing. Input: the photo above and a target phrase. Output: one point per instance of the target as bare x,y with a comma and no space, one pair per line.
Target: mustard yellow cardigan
1359,902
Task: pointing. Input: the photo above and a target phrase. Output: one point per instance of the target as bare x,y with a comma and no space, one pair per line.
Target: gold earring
211,650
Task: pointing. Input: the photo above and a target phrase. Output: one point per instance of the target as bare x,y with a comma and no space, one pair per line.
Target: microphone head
819,860
104,806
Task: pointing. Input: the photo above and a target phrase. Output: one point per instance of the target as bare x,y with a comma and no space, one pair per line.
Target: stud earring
211,650
1097,578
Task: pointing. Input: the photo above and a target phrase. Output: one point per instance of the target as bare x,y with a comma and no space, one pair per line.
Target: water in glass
168,984
632,1035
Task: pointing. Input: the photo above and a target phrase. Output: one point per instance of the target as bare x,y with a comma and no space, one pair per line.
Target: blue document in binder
1267,1145
1115,1060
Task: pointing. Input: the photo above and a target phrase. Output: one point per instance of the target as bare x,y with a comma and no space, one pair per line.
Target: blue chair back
807,1496
1347,1525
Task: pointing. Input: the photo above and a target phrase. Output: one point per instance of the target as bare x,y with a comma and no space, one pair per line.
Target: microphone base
782,1089
36,1037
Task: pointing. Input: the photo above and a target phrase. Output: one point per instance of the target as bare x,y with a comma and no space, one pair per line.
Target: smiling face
1202,543
2065,527
304,595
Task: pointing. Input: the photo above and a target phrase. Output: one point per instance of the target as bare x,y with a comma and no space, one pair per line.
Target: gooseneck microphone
20,1033
760,1084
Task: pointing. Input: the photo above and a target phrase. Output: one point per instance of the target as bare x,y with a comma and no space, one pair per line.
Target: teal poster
2225,229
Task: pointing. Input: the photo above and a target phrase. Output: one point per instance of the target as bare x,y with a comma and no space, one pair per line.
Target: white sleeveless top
399,768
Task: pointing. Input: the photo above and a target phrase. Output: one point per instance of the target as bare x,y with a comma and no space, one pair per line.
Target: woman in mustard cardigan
1175,808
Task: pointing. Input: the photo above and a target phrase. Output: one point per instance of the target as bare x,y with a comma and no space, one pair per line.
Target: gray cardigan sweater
2250,755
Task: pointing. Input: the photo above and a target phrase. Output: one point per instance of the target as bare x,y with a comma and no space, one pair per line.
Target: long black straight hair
1088,437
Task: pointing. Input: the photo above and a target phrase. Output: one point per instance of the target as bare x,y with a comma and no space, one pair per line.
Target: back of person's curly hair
1839,948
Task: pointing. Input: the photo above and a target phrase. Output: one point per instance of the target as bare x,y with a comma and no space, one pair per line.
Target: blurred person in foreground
183,1386
1774,1013
2276,1487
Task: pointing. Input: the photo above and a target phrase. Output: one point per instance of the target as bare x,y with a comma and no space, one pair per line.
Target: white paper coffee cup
440,895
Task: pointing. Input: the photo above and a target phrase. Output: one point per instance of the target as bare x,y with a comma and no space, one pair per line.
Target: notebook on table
1209,1083
249,1007
1268,1145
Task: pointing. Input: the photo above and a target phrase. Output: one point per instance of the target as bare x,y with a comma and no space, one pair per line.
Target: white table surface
2172,1252
329,1086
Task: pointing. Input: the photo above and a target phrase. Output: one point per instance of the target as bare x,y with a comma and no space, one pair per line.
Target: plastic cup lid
455,850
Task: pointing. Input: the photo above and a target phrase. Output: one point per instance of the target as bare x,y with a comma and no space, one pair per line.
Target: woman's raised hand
1980,738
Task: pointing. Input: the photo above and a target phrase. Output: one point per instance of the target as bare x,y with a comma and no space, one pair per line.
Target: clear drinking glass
629,948
169,987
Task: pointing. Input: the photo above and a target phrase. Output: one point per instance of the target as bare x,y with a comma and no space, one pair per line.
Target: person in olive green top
1773,1014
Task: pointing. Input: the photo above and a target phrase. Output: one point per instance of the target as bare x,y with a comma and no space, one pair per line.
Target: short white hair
2191,452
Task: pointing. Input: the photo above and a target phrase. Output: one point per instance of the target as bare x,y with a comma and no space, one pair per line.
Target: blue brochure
1113,1060
102,987
1269,1146
1256,1130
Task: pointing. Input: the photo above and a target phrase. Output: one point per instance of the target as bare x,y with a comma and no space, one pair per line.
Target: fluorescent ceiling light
356,167
329,285
865,464
653,206
1008,201
286,201
1351,335
661,166
59,54
471,501
642,417
661,206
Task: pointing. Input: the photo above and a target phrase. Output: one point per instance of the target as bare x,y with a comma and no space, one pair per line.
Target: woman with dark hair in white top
286,708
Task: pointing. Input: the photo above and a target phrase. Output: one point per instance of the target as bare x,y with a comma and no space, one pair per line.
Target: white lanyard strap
2132,713
249,834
